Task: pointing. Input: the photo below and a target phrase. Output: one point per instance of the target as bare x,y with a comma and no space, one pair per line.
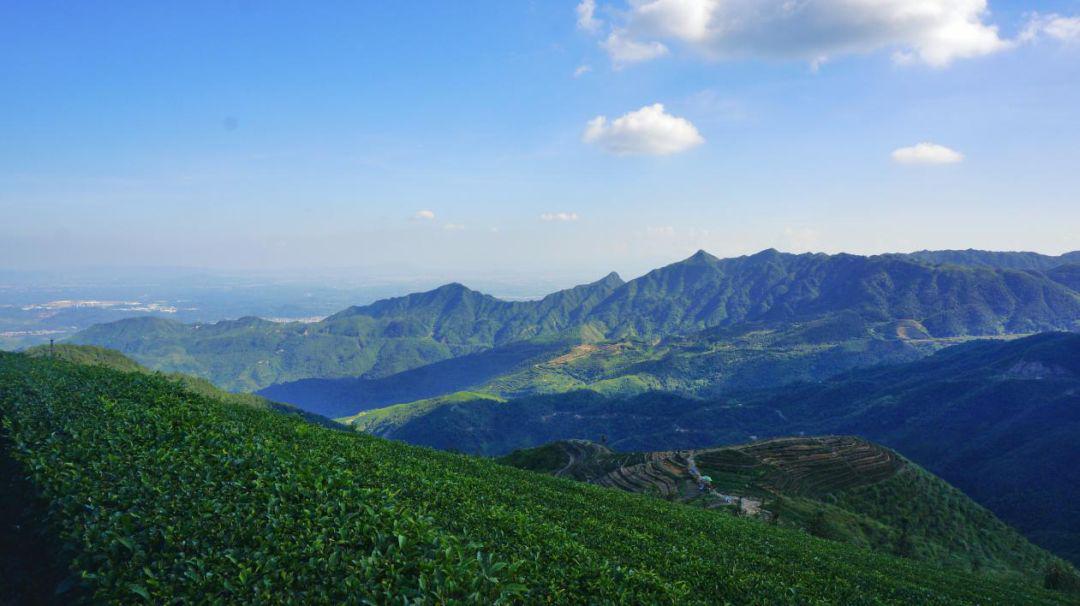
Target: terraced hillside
838,487
814,466
160,495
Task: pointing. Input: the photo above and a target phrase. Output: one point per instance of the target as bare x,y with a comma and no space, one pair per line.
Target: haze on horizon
555,137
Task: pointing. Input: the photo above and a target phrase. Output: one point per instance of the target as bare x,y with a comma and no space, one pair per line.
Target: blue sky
291,135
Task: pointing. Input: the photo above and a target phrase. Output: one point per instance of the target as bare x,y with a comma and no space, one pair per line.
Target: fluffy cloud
1065,29
582,70
934,32
649,130
423,215
559,216
927,153
624,50
586,16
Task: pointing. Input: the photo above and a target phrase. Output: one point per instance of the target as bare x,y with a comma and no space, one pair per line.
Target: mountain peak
452,287
701,256
611,278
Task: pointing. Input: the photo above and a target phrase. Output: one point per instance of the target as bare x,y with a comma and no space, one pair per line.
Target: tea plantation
161,495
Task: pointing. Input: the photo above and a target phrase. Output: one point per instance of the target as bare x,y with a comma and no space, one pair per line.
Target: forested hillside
996,259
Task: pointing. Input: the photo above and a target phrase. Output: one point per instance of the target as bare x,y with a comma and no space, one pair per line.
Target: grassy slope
163,494
108,358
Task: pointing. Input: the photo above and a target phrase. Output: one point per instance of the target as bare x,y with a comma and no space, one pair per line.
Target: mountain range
703,298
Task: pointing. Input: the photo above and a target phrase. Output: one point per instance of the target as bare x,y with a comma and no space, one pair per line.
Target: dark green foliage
543,459
100,356
86,354
1062,578
33,566
169,497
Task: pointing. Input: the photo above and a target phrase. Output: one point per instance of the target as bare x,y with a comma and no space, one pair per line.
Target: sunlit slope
108,358
164,495
700,364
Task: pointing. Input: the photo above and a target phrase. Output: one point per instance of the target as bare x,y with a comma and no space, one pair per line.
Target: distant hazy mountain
772,288
1068,275
1001,260
769,289
372,341
998,419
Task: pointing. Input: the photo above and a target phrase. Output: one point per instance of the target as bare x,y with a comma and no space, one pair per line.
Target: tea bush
167,496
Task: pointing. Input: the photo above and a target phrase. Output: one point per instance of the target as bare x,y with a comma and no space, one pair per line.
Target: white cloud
586,16
453,227
582,70
926,153
624,50
1065,29
934,32
561,216
423,215
648,130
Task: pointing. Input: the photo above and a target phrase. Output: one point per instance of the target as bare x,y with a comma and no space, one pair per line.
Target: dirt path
572,454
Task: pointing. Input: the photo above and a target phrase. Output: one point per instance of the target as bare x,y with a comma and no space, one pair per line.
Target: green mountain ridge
995,259
769,290
212,501
378,340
